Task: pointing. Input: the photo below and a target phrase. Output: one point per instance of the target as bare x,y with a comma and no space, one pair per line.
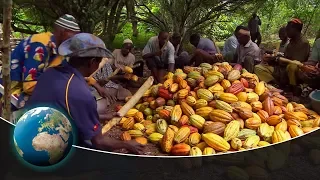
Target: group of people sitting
61,69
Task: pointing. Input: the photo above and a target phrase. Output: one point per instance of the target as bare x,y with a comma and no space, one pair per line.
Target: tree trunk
7,16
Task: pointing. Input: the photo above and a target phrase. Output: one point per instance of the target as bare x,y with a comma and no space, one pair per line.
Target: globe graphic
43,136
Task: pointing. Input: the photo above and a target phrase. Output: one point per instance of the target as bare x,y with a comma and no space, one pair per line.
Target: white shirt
230,45
251,49
167,55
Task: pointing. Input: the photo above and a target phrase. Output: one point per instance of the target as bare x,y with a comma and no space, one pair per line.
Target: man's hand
158,53
103,92
134,147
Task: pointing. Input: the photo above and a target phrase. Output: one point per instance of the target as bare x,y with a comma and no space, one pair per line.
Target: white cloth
251,49
120,61
167,55
230,45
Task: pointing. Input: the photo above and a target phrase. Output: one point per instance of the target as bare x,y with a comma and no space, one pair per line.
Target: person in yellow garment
298,49
35,54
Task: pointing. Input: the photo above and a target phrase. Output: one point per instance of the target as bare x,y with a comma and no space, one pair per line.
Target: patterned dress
29,60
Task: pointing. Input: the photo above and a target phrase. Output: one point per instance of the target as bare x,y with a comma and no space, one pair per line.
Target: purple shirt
50,91
207,45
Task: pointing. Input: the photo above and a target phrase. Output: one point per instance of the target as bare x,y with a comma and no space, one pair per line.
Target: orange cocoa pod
125,136
181,149
294,122
274,120
283,126
263,115
295,131
277,110
268,106
184,120
277,101
252,123
141,140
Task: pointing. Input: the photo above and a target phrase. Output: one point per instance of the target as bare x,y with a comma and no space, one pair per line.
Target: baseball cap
84,45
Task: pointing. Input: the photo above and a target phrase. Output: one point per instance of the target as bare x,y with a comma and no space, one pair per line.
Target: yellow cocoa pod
236,143
191,101
139,117
128,123
223,106
128,70
307,123
296,115
225,84
201,103
169,75
174,88
183,93
232,130
205,94
131,112
217,88
174,128
155,138
283,126
288,136
242,96
290,107
260,88
151,130
139,126
161,126
252,97
309,129
167,140
186,109
240,104
295,131
216,142
208,151
278,136
204,112
168,83
251,142
263,144
202,145
195,151
256,106
194,139
228,97
316,123
197,121
265,131
182,135
176,113
123,119
220,116
135,133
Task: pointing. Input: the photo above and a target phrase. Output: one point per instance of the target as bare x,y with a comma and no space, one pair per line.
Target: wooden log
7,16
130,104
102,63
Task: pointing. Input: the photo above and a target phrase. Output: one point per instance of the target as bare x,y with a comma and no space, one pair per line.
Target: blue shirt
207,45
230,46
51,90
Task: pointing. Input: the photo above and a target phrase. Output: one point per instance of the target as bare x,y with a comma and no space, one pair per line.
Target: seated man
298,49
35,54
311,75
284,40
64,88
159,56
230,46
247,53
205,50
124,57
109,91
181,57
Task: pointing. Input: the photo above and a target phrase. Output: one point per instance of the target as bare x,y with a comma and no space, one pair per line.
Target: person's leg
253,37
248,64
123,93
292,70
138,71
161,74
152,66
264,72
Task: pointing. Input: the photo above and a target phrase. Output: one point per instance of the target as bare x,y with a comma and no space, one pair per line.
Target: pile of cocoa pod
215,109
